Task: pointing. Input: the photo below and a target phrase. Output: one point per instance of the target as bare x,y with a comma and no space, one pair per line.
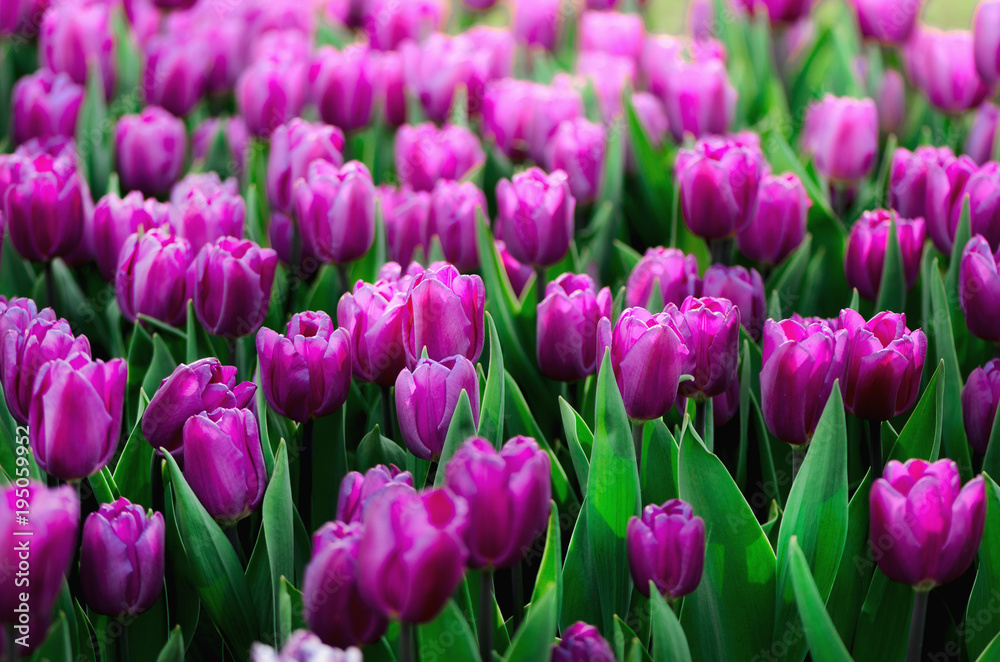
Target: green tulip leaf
824,642
491,413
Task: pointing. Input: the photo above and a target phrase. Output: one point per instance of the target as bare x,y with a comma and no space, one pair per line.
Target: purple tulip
303,646
404,212
979,289
426,155
116,218
980,397
343,86
983,191
726,405
202,387
445,313
270,92
174,4
357,489
883,361
390,85
982,136
582,643
437,67
610,75
72,35
230,282
75,416
841,133
335,208
294,146
29,340
150,150
666,546
801,361
868,242
670,270
412,555
331,592
710,329
497,46
426,398
778,223
237,139
891,101
568,320
121,561
577,148
612,32
51,530
942,64
373,316
506,493
44,105
452,216
175,76
389,23
207,209
538,23
718,182
547,108
699,98
518,274
44,206
307,372
661,53
780,12
914,175
649,356
888,21
986,41
506,114
22,17
925,530
744,288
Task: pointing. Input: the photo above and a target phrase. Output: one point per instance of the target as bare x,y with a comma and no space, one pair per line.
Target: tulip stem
387,415
798,456
699,420
406,642
721,251
234,539
12,652
540,283
517,576
50,286
344,274
305,474
875,447
917,620
637,427
122,644
486,615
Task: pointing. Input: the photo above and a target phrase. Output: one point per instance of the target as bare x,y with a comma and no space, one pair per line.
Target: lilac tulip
867,245
452,216
778,223
986,41
582,643
983,192
445,314
674,274
303,646
389,23
44,105
426,397
841,133
577,148
436,68
150,150
980,397
538,23
357,489
116,218
710,330
270,92
699,98
979,289
568,319
942,64
404,212
666,546
335,208
919,179
151,278
230,282
979,145
888,21
612,32
294,147
373,316
207,209
74,34
343,86
389,78
175,76
425,155
744,288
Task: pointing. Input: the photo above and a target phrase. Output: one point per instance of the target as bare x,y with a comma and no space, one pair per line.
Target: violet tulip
883,361
331,592
404,212
75,416
452,215
744,288
980,397
925,526
373,316
891,101
45,104
445,313
271,92
648,356
235,134
303,646
121,560
518,274
979,289
986,41
612,32
426,154
203,386
150,150
841,133
436,68
726,405
294,147
568,319
426,398
307,372
983,191
868,242
778,223
115,218
390,85
801,361
535,217
918,179
538,23
710,329
718,182
666,546
52,530
942,64
674,274
335,209
546,108
175,76
699,99
887,21
388,23
577,148
230,282
151,278
582,643
342,84
22,17
780,12
357,489
506,493
413,554
207,209
74,34
982,136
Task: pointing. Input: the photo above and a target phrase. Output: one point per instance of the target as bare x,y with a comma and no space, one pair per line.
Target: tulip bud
886,21
208,209
883,361
841,133
294,146
982,136
303,646
699,98
116,218
343,86
336,211
986,41
497,46
404,212
779,11
538,23
430,528
175,76
307,372
710,329
666,546
649,356
224,464
778,223
891,101
389,23
612,32
44,206
801,361
357,489
426,154
390,85
426,398
610,75
718,183
867,244
203,386
979,289
536,216
744,288
726,405
121,561
45,105
30,340
75,415
980,396
446,314
72,35
331,594
230,282
373,316
669,269
518,274
237,140
271,92
925,531
568,319
983,191
546,107
436,68
452,216
150,150
582,643
51,530
942,64
577,148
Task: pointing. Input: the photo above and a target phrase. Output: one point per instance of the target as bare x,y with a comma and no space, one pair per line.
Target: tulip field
499,330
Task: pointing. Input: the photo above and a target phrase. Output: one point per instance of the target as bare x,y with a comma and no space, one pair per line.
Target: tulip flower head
568,320
866,247
666,546
978,287
980,397
662,276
